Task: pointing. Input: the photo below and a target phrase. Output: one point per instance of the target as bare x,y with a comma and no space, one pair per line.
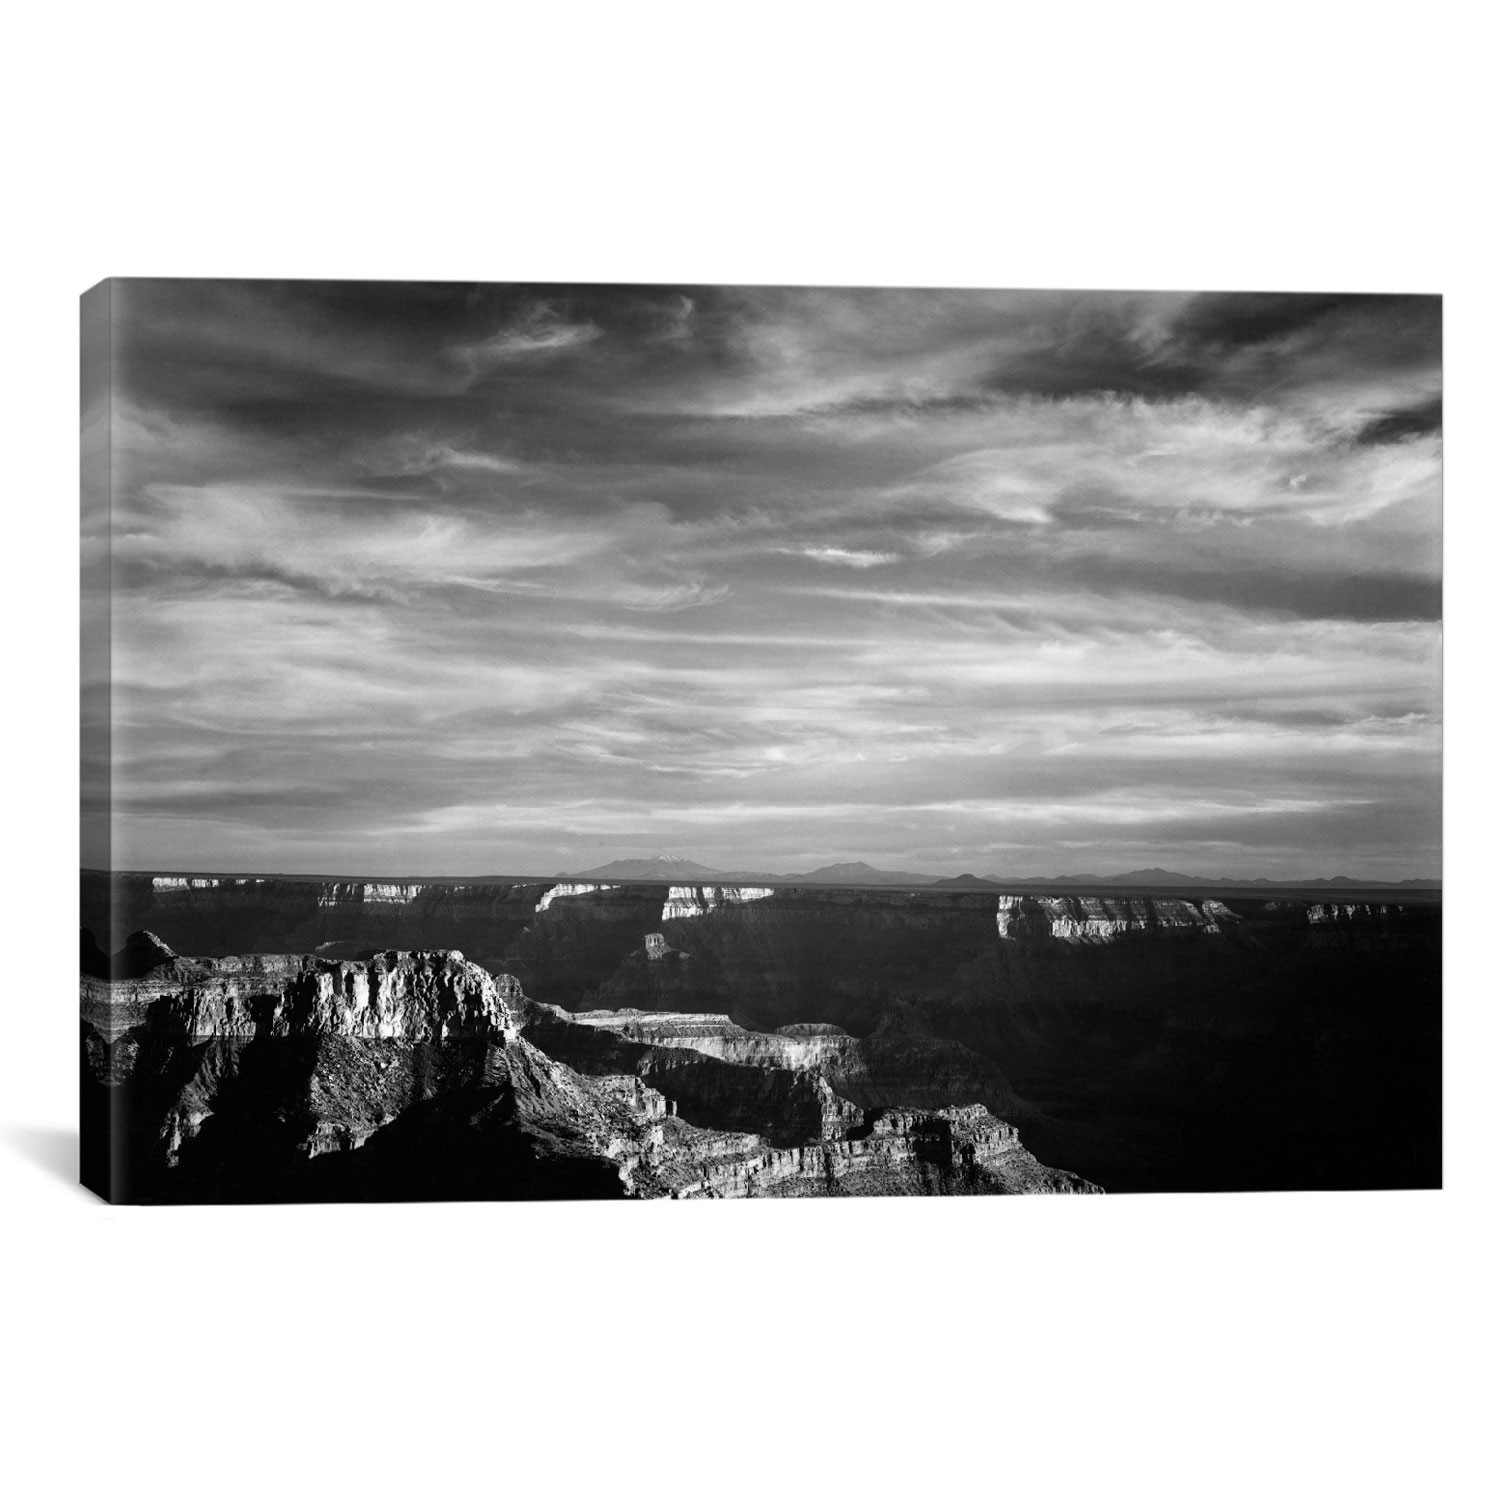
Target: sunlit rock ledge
1347,911
410,997
199,882
699,900
554,893
1100,919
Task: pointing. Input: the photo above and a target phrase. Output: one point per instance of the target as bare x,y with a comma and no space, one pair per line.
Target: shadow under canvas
53,1150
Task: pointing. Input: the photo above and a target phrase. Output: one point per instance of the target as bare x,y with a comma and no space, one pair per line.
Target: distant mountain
1157,876
1154,876
857,872
670,870
675,871
661,867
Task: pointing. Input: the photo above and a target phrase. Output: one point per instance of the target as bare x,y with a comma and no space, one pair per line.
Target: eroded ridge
1101,919
554,893
418,1074
369,893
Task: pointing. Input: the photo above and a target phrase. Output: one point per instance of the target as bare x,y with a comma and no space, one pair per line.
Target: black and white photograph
767,732
693,741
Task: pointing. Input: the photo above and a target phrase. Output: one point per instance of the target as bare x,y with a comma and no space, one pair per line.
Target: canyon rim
553,741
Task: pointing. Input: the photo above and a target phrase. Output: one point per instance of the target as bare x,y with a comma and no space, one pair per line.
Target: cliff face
1100,919
952,1153
900,1065
417,997
335,919
699,900
560,892
283,1077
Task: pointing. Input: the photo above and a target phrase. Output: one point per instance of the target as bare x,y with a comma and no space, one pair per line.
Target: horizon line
1179,877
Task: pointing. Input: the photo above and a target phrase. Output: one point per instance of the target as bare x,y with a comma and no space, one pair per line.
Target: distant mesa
857,872
966,883
672,871
1156,876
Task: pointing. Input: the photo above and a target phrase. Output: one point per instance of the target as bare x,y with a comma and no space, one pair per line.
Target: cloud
415,454
539,331
1398,426
240,530
676,323
846,557
656,598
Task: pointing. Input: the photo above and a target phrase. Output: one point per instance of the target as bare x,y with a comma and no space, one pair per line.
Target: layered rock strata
1101,919
899,1154
1354,913
698,900
557,892
416,997
900,1065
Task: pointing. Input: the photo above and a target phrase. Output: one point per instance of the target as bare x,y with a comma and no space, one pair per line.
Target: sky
449,579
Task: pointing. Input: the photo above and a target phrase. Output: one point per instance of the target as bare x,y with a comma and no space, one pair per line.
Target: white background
1224,1346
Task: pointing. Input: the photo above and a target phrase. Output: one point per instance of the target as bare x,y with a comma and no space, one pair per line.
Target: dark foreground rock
419,1075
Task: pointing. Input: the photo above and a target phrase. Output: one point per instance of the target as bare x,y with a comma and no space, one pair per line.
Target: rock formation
899,1065
555,892
280,1076
1348,912
1100,919
415,997
699,900
899,1154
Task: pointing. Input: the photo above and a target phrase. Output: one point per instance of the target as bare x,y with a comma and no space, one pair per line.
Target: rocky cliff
559,892
1100,919
954,1152
698,900
899,1065
414,997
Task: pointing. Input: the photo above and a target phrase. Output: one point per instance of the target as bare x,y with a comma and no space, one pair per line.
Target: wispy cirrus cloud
540,330
845,557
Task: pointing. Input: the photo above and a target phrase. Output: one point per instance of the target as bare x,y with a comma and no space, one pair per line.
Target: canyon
404,1038
415,1074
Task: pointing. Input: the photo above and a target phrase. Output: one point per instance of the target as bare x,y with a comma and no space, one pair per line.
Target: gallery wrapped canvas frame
587,741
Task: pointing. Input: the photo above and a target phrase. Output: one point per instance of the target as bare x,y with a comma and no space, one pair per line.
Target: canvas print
574,741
